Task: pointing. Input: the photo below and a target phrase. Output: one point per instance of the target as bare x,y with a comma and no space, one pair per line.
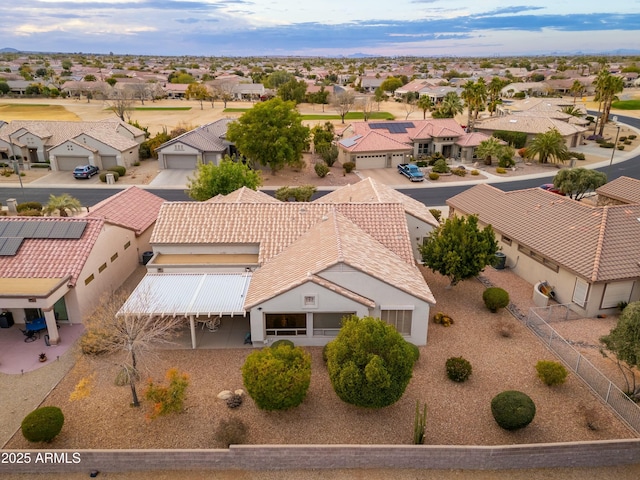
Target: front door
30,314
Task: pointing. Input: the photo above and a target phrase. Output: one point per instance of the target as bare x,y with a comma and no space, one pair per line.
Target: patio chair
30,335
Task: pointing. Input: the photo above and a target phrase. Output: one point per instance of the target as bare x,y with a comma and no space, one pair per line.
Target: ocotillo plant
419,424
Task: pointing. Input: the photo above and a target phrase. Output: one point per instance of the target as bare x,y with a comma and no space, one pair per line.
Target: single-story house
588,254
237,259
387,144
248,91
65,145
621,191
57,268
206,144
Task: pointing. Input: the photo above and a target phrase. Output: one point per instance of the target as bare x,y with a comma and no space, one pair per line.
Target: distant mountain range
9,50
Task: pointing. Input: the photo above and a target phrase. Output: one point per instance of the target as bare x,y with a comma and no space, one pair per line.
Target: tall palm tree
480,97
548,146
600,85
468,95
494,89
62,204
424,104
576,89
613,86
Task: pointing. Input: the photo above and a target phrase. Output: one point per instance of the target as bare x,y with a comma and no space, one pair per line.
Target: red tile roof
132,208
51,258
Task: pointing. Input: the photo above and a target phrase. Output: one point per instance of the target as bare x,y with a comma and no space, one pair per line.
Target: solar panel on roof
10,245
75,230
12,229
28,229
59,230
351,141
43,230
392,127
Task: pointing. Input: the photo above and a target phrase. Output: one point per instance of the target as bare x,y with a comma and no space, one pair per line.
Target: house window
310,301
580,292
551,265
286,324
506,240
423,148
328,323
127,245
179,147
102,268
113,257
399,318
89,279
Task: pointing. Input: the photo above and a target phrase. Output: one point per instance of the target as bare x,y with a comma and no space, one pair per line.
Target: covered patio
210,301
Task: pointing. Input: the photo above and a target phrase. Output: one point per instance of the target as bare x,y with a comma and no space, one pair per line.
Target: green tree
198,92
391,84
211,180
424,104
90,78
321,97
369,363
271,133
577,182
549,145
293,90
277,378
494,90
489,149
458,249
379,96
4,87
576,90
63,204
450,106
277,78
624,342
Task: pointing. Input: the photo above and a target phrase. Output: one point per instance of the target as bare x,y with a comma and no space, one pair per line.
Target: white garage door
69,163
181,162
109,161
371,161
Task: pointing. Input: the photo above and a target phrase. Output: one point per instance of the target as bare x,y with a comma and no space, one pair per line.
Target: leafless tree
366,106
140,91
224,91
131,336
121,104
409,105
343,103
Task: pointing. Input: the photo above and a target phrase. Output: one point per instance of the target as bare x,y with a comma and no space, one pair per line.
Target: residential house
206,144
621,191
294,268
65,145
57,268
588,254
248,91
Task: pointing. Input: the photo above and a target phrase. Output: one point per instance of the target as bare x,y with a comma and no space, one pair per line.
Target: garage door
69,163
371,161
183,162
109,161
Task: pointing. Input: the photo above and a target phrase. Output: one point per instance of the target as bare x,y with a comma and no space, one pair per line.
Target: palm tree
601,85
62,204
494,89
450,106
424,104
576,89
468,95
573,111
488,149
613,85
548,146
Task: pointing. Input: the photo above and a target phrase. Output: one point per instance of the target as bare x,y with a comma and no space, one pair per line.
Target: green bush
282,341
475,172
321,169
458,369
620,147
516,139
324,354
433,176
415,350
348,166
577,155
232,431
501,170
437,213
422,163
632,137
622,139
607,145
495,298
31,213
551,373
21,207
118,168
103,176
277,378
40,165
627,142
442,319
513,410
370,364
440,166
460,172
43,424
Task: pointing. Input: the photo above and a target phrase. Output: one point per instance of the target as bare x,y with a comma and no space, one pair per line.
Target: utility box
110,178
501,261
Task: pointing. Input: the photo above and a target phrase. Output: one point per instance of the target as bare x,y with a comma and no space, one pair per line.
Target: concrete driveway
172,178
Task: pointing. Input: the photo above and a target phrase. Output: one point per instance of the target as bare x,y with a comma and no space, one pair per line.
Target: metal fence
604,388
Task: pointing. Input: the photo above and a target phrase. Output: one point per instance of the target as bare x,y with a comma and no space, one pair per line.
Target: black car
85,171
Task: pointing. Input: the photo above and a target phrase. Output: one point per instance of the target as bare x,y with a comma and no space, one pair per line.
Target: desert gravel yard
458,414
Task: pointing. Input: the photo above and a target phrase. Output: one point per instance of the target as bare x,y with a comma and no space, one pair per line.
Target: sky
331,28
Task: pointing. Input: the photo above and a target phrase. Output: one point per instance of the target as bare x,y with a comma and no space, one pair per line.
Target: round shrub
370,364
321,169
282,341
458,369
501,170
434,176
551,373
21,207
460,172
103,176
441,166
43,424
119,169
442,319
512,409
415,350
475,172
277,378
495,298
348,166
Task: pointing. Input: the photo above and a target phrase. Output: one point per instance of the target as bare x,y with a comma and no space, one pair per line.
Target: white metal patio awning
189,294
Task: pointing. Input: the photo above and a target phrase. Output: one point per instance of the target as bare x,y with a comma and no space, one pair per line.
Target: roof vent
325,218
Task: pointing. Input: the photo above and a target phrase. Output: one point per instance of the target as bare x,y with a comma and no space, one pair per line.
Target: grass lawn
330,116
161,108
26,111
627,105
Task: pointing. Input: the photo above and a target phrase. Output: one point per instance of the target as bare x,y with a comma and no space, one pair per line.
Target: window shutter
580,292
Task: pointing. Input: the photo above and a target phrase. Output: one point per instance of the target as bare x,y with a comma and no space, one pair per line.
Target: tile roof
275,226
623,189
597,243
334,240
57,132
528,124
374,142
419,129
244,195
51,258
132,208
206,138
472,139
370,191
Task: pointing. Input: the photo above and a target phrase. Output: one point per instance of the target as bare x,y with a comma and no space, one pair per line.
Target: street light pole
615,144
